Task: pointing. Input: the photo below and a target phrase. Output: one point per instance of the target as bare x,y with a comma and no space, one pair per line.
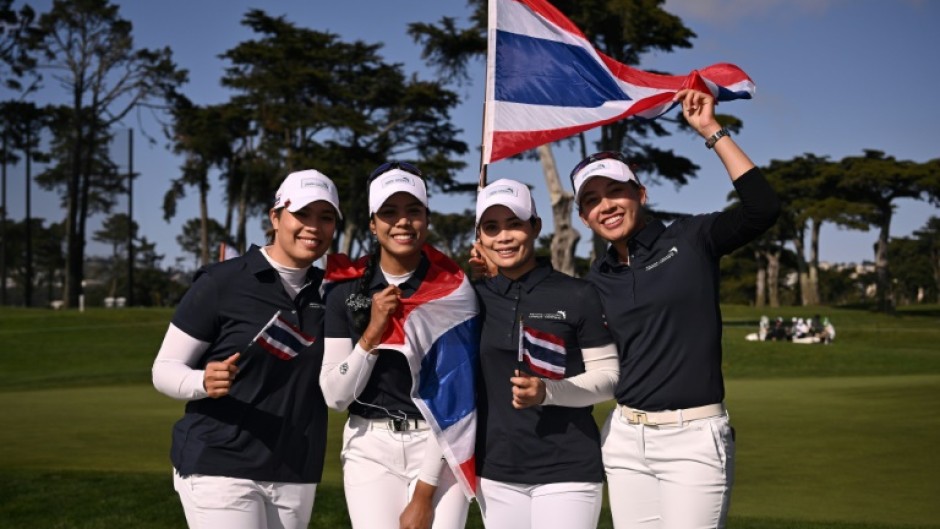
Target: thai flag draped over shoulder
544,353
545,81
340,267
282,339
437,329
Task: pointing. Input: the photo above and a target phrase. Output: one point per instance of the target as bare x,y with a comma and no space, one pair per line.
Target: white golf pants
380,471
569,505
675,476
211,502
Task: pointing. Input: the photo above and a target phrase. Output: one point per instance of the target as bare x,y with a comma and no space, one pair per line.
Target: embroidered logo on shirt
558,315
343,368
669,255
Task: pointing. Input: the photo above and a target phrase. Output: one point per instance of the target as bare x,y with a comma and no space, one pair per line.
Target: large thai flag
545,81
437,329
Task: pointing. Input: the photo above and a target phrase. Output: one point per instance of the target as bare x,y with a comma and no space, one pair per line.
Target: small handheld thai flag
543,353
281,338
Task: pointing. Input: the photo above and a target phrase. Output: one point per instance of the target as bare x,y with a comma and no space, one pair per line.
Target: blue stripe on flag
545,355
544,72
286,337
447,381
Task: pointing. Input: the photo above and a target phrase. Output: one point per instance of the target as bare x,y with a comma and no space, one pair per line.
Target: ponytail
360,301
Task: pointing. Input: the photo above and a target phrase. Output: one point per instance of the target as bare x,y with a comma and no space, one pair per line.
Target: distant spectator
764,328
816,325
801,330
829,332
779,333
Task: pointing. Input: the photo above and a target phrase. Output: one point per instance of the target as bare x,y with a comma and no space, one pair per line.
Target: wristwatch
713,139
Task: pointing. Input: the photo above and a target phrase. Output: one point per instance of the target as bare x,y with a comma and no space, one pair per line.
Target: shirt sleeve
433,463
174,370
198,312
596,384
759,209
346,367
345,372
601,365
592,323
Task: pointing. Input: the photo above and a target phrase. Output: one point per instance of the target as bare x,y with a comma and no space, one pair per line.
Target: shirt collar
646,238
258,265
533,277
409,286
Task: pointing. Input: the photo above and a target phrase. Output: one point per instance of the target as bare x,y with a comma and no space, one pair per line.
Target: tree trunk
885,288
773,278
802,277
812,285
935,261
565,238
204,223
760,284
73,267
348,233
241,234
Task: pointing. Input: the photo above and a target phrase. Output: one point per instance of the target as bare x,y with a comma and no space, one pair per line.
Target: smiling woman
546,357
251,416
374,383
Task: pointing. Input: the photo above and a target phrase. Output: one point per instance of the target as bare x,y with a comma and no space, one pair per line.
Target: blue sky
833,78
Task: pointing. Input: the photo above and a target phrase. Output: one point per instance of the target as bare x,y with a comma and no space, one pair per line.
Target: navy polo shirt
663,307
272,424
389,385
541,444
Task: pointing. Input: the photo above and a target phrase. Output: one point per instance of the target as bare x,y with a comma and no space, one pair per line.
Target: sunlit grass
829,437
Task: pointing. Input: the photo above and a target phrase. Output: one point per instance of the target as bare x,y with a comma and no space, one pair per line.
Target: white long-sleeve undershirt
174,370
596,384
345,372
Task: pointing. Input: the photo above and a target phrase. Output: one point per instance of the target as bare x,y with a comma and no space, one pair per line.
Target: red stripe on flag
469,470
274,350
553,15
553,375
546,336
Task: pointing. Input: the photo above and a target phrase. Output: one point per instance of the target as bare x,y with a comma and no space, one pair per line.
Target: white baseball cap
395,181
304,187
510,193
608,165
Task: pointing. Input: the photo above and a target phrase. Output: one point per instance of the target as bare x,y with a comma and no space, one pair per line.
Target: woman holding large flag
244,349
668,446
398,336
546,357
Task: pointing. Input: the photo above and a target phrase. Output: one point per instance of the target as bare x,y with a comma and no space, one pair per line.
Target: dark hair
359,301
270,232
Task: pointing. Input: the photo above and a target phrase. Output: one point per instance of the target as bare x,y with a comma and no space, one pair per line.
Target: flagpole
488,93
484,166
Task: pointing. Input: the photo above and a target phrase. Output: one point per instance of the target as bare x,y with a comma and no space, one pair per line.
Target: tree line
302,98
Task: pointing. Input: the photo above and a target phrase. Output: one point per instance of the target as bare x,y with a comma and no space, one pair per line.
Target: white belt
659,418
388,423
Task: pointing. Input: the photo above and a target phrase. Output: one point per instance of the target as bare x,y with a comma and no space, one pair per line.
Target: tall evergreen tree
103,76
315,101
877,181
